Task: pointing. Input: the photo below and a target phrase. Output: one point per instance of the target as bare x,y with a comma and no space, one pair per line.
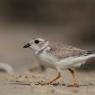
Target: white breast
46,59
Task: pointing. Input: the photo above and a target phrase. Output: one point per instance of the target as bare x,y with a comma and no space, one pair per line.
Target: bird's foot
73,85
55,83
44,82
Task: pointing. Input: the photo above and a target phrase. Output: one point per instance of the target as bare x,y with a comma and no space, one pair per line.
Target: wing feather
64,51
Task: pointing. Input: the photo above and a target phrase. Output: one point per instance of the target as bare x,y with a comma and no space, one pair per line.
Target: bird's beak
27,45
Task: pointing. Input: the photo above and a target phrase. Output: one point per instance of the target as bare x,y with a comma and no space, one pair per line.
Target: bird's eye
36,41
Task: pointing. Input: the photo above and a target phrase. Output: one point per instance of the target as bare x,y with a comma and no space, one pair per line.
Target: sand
25,84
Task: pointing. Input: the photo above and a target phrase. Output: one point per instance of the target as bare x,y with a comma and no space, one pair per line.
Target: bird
59,57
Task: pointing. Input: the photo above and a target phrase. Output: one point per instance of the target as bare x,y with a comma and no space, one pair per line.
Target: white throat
45,47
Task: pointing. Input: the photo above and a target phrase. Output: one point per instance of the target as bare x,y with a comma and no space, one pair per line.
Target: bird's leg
52,80
73,72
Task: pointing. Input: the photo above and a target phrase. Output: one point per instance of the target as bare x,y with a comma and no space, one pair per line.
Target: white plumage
58,57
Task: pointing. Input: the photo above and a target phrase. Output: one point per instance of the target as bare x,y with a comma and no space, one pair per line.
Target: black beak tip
26,46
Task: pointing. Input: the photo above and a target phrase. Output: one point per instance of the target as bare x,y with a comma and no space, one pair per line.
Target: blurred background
67,21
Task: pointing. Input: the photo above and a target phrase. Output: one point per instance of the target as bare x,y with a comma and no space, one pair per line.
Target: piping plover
59,57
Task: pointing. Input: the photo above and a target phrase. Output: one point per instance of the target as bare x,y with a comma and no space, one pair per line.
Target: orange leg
52,80
73,72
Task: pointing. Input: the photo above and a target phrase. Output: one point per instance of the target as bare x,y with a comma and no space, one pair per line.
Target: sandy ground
27,84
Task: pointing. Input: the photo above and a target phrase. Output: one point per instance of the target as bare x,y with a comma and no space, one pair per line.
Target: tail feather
90,52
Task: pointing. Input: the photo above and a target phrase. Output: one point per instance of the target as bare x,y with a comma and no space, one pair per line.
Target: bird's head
37,44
